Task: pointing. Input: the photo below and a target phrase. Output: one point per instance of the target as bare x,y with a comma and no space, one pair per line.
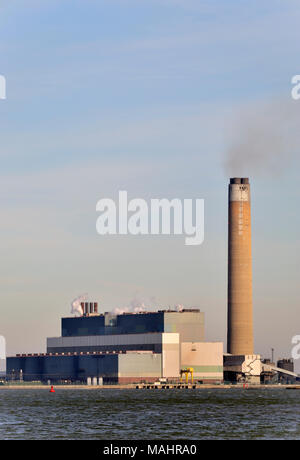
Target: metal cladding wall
105,366
240,323
81,367
206,358
14,364
189,324
165,344
32,367
123,324
82,325
140,323
134,367
113,368
60,367
170,355
123,342
56,368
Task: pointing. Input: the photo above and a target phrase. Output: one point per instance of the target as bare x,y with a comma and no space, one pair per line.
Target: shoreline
147,387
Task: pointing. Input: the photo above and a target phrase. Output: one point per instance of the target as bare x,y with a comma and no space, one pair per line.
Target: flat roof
93,315
79,353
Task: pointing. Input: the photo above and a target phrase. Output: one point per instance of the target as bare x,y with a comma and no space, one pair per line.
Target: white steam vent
76,304
137,305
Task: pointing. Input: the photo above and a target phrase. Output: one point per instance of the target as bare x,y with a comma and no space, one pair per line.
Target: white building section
206,359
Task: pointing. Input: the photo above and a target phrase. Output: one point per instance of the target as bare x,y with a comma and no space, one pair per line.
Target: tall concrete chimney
240,322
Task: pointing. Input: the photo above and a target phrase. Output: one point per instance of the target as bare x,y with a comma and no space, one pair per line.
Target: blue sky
147,96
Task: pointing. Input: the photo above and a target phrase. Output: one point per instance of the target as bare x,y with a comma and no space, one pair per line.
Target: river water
150,414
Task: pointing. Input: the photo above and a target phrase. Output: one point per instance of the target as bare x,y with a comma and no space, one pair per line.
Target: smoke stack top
239,180
239,190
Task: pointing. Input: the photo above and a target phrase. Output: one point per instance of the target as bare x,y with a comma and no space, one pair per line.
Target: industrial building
283,373
147,346
242,368
124,348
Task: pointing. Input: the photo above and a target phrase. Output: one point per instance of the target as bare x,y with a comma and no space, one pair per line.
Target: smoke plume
266,137
136,305
75,304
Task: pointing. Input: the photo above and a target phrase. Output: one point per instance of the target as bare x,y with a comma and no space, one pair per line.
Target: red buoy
52,389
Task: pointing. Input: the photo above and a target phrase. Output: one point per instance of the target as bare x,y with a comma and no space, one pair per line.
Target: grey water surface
150,414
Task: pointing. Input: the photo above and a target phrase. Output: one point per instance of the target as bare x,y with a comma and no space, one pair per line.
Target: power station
150,346
124,348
